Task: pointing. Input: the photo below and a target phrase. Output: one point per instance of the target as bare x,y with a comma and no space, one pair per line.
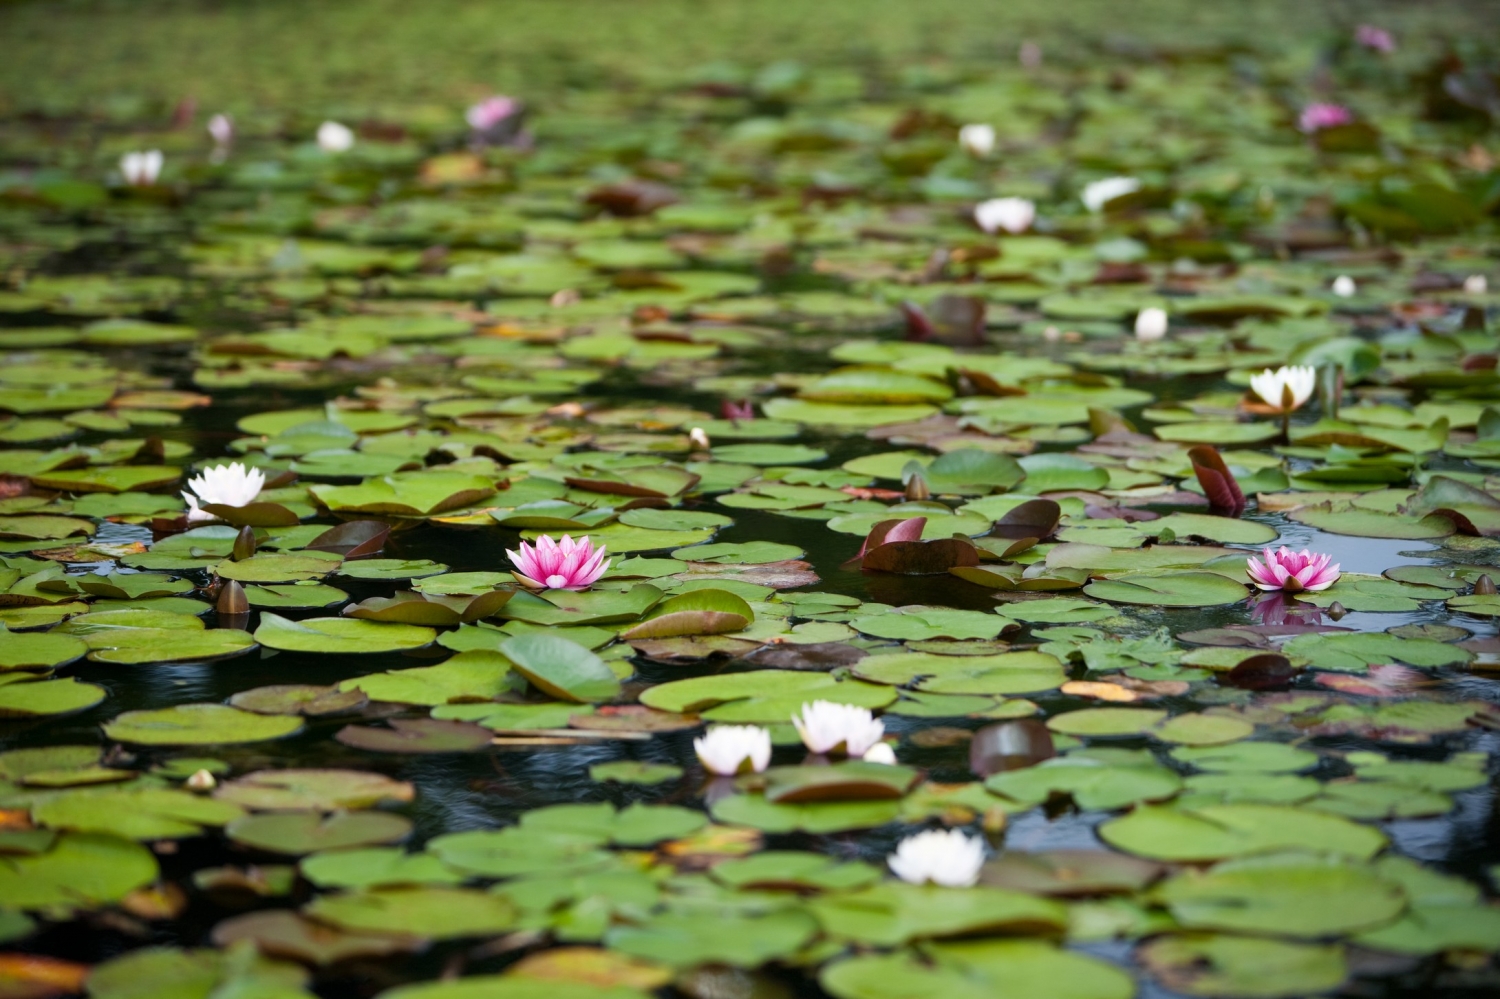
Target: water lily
490,112
737,412
1375,39
1343,286
1101,192
1292,571
881,752
825,726
334,137
1011,214
946,857
727,750
977,140
552,565
1319,115
201,780
1286,388
1476,284
698,437
229,485
221,128
141,169
1150,324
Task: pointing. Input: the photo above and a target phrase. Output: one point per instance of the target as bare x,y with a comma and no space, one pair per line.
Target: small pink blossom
490,112
1292,571
1318,116
221,128
1375,39
569,565
737,411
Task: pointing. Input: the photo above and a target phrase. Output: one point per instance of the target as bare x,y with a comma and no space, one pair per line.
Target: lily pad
198,725
339,635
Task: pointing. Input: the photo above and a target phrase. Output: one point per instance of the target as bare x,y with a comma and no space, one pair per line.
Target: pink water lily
552,565
1318,116
491,112
1292,571
1375,39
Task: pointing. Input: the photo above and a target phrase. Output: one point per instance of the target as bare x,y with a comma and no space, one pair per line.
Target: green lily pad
1008,673
1286,895
561,668
1372,523
920,623
812,817
278,567
1025,969
198,725
635,772
762,696
1220,831
1093,784
134,812
1356,652
893,913
736,939
300,833
1178,589
339,635
1096,722
24,696
476,675
38,651
1232,967
77,871
427,911
391,568
407,494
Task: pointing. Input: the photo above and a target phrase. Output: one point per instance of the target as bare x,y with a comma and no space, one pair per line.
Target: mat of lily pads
1013,522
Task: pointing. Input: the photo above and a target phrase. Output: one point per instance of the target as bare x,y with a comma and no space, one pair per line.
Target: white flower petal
1101,192
943,857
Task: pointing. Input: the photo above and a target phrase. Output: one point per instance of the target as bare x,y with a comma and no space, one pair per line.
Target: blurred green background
103,55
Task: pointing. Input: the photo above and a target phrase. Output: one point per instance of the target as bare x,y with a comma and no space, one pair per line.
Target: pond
771,530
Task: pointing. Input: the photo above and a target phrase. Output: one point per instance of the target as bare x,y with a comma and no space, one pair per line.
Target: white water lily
1011,214
881,752
334,137
221,128
726,749
825,726
944,857
1286,388
1343,286
1101,192
977,140
698,437
1151,324
1476,284
232,485
141,169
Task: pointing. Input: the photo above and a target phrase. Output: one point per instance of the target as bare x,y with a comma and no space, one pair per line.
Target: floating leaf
299,833
1180,589
1219,831
339,635
699,612
561,668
